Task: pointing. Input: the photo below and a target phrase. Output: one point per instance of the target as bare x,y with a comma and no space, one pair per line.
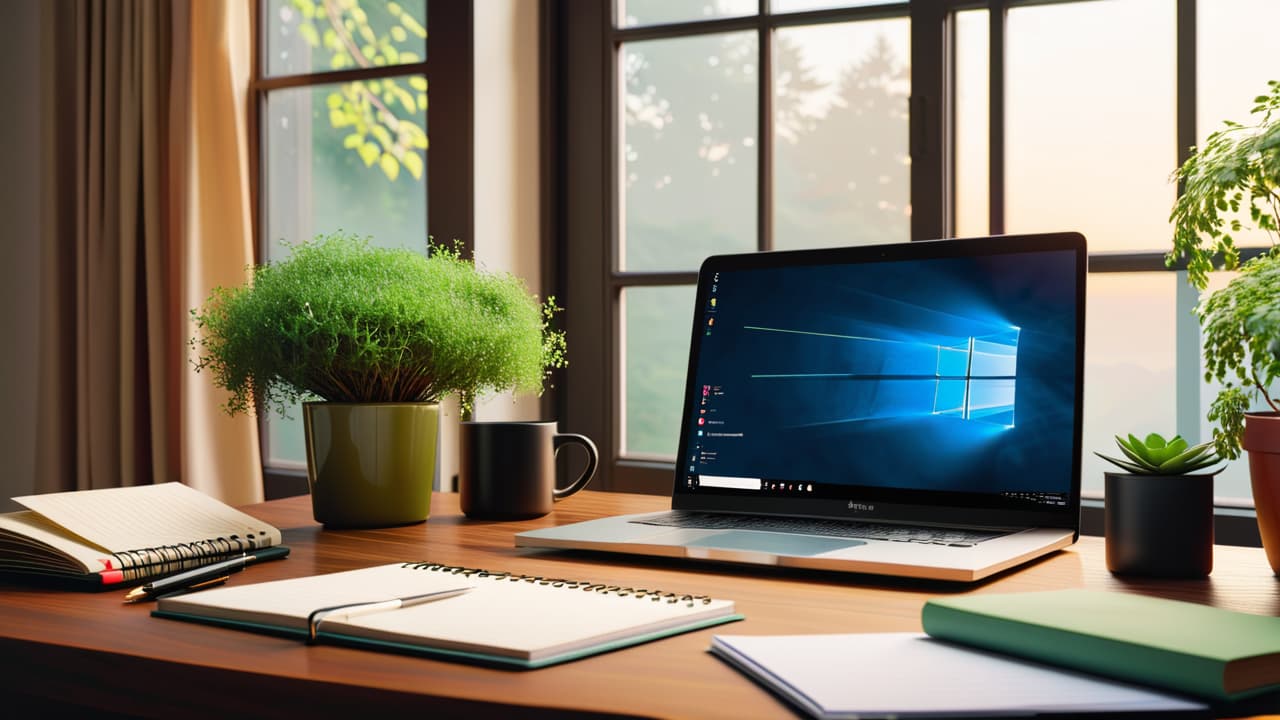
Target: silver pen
351,610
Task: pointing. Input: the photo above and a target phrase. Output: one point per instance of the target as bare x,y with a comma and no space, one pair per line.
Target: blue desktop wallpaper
953,374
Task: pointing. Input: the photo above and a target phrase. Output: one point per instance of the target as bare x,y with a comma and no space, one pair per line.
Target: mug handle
593,459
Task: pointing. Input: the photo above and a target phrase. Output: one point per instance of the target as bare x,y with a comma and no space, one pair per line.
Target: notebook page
287,603
904,674
526,620
26,526
144,516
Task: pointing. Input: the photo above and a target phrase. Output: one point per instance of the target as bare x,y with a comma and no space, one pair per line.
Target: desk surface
98,653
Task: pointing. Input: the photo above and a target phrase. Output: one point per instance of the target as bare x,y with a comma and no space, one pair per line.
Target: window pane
1091,121
656,348
310,36
782,6
319,179
1236,56
1129,366
972,132
842,167
655,12
688,165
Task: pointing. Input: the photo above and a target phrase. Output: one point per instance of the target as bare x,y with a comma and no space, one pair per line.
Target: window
357,115
807,123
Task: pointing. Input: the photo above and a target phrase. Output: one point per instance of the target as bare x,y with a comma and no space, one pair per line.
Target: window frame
449,166
585,101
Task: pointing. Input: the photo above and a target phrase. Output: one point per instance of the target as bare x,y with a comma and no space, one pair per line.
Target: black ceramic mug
507,470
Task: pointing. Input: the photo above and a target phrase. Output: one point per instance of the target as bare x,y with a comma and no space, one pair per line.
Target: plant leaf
1136,450
413,163
1136,469
390,166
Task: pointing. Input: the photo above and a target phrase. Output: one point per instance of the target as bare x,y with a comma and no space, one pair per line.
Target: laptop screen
923,381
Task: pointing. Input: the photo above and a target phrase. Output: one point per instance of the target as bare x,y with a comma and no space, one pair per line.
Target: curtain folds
145,209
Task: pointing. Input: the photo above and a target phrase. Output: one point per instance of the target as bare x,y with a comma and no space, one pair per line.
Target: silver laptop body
909,410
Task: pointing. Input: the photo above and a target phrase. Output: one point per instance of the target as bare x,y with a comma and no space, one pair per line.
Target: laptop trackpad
773,543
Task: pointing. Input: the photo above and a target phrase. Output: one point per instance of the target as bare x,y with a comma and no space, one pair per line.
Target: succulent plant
1156,456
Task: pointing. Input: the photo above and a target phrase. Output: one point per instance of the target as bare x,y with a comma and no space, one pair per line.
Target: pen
202,577
366,608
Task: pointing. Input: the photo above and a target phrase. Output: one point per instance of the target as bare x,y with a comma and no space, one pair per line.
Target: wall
508,217
20,136
508,214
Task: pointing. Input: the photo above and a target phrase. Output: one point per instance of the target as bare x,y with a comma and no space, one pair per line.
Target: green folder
1189,648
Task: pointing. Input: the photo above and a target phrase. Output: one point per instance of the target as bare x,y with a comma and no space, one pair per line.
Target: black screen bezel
904,505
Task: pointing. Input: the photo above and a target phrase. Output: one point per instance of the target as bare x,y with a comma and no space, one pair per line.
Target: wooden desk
95,652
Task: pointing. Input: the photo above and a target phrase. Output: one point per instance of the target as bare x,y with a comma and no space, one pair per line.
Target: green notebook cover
1195,649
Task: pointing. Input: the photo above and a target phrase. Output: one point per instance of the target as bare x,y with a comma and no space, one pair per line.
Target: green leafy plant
377,115
1237,168
343,321
1156,456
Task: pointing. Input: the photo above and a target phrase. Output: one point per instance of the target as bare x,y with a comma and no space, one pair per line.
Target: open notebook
501,619
103,538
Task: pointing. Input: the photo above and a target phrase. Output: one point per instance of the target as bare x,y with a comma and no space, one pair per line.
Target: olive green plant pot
370,464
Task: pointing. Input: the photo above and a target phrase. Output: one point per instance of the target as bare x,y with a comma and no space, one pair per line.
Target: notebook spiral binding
638,593
164,559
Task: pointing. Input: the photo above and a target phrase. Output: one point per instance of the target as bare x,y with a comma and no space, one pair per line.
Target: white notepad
882,675
503,619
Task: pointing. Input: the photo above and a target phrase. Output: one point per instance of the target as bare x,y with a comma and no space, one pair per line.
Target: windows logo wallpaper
952,374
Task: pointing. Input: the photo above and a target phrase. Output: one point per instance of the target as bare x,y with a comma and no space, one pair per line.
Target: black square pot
1159,525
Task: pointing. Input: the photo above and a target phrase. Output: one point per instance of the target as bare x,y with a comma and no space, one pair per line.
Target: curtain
146,208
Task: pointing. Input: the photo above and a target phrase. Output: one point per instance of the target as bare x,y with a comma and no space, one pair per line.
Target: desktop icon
702,421
711,321
713,302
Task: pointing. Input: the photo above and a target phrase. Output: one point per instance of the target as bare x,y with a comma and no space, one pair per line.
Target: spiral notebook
96,539
494,618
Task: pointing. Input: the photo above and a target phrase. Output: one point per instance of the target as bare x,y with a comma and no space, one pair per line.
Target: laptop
910,410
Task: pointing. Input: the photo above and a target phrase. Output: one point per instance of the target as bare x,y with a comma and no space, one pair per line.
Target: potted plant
371,339
1159,511
1238,170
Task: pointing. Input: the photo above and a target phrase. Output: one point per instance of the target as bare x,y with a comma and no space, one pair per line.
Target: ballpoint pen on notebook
351,610
202,577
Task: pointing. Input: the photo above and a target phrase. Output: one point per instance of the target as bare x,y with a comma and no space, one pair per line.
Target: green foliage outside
1156,456
343,321
376,115
1238,167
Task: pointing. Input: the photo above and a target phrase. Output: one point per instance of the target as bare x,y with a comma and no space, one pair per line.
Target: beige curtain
145,209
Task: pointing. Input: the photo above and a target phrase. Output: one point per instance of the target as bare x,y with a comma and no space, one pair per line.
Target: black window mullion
927,122
998,14
764,131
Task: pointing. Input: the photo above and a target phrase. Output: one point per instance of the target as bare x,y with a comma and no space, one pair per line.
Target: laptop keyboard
955,537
